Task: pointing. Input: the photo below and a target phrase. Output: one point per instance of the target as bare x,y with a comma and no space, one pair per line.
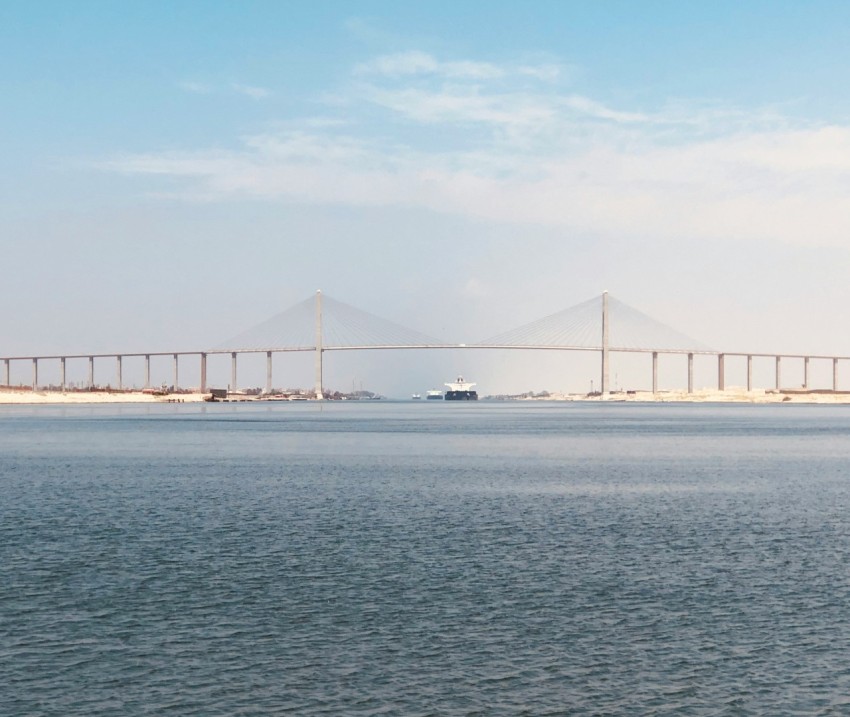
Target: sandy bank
730,395
9,396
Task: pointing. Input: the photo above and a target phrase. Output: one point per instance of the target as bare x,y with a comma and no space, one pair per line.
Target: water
422,559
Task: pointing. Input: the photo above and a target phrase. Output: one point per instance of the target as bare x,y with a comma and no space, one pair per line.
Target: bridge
321,324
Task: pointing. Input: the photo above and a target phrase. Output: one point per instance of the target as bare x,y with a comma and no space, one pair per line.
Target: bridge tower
319,391
605,357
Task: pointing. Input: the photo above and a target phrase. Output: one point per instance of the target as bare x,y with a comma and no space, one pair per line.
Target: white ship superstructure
461,390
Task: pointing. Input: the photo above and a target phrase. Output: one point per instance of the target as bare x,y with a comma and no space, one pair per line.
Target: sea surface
417,558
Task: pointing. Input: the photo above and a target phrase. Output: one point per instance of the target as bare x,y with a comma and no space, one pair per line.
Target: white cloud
198,88
586,106
405,64
548,72
475,289
825,149
204,88
399,65
323,122
255,93
455,105
508,154
415,63
471,70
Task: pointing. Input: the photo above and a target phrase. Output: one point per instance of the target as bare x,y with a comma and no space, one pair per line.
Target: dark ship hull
461,395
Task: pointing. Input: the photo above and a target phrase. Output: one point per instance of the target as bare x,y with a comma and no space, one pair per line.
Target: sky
173,173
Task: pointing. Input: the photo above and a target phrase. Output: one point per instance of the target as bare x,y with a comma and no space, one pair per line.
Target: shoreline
26,396
733,394
34,398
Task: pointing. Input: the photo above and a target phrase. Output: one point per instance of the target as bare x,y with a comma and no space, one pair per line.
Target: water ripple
513,572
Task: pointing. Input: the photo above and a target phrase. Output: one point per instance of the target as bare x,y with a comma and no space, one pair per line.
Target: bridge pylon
319,389
606,328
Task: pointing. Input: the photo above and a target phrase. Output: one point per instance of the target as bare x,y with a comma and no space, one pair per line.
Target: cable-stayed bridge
321,324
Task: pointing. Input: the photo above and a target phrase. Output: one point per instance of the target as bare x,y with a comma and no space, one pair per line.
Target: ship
461,390
416,396
434,396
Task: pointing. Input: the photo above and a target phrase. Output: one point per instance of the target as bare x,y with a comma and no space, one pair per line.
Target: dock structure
603,324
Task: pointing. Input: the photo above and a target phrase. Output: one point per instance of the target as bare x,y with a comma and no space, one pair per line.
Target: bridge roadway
202,356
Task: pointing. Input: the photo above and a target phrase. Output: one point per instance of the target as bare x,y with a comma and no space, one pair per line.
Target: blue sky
173,172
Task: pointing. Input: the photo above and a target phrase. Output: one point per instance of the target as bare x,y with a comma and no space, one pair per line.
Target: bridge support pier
268,371
778,372
233,371
119,379
35,374
91,371
6,372
690,373
176,375
835,374
147,370
721,372
806,372
62,373
749,373
203,386
655,372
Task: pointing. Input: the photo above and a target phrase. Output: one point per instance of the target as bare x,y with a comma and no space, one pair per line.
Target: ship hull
461,395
